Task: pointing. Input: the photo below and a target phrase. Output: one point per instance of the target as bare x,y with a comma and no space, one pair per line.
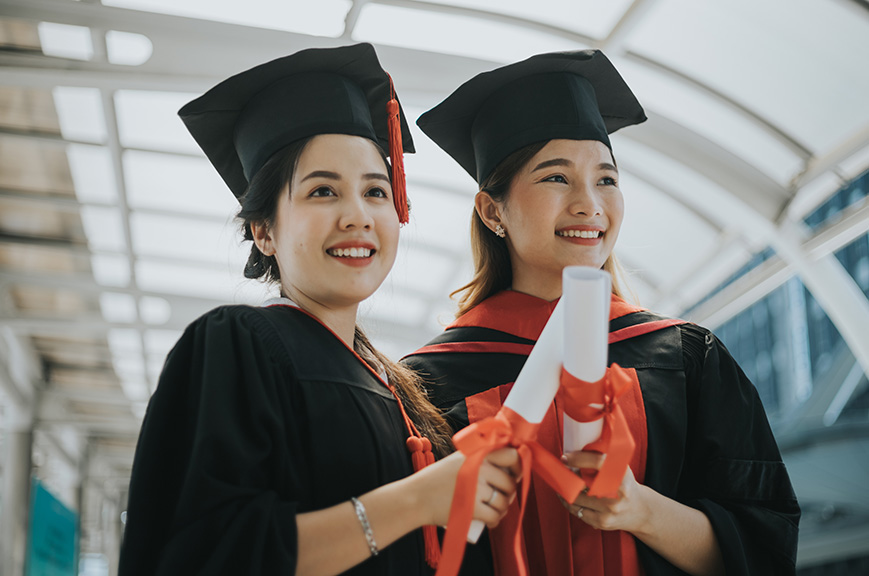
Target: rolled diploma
586,296
537,382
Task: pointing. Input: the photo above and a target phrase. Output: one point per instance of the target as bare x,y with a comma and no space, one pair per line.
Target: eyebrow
566,162
335,176
553,162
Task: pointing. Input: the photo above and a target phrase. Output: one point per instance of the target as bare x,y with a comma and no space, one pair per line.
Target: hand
496,487
629,511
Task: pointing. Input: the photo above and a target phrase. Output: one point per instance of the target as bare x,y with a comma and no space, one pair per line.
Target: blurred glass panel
127,48
66,41
93,175
769,342
321,18
588,17
757,52
176,183
468,36
104,228
80,113
220,284
150,120
713,120
194,240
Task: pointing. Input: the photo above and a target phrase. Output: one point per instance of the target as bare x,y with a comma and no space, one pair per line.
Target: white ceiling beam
635,14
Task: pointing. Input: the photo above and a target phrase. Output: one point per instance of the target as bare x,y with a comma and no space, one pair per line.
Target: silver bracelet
366,527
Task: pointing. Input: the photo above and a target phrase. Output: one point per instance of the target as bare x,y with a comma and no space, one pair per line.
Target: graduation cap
571,95
244,120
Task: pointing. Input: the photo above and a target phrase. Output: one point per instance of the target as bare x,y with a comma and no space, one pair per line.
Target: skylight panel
93,174
66,41
118,307
154,310
110,270
184,238
468,36
127,48
320,18
104,228
712,119
80,113
588,17
176,183
149,120
794,62
225,285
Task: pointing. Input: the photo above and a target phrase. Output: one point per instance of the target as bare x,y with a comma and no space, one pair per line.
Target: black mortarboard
244,120
571,95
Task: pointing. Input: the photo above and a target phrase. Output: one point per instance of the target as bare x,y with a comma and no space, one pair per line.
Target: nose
585,200
355,214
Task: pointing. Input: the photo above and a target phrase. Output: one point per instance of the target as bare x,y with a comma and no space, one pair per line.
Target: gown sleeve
218,469
733,470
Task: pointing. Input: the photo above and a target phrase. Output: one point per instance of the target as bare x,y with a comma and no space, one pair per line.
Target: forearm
680,534
332,540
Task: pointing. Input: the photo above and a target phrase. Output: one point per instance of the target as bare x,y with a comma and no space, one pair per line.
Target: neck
536,283
340,319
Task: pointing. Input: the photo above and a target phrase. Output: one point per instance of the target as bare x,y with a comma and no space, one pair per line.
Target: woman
706,492
279,440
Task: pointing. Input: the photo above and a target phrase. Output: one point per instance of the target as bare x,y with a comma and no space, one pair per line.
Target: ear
488,210
262,237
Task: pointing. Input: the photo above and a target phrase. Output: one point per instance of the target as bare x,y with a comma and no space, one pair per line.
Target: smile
579,233
350,252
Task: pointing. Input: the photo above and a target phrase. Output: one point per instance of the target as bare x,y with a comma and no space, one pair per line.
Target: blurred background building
746,196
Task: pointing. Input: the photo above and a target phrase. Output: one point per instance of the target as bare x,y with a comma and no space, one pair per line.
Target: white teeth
350,252
580,233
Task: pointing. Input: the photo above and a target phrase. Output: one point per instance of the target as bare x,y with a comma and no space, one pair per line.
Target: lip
353,262
582,241
352,244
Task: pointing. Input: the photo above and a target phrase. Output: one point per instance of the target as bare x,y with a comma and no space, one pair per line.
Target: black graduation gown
260,414
709,441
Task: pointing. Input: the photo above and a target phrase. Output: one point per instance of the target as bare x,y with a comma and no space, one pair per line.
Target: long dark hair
259,205
493,271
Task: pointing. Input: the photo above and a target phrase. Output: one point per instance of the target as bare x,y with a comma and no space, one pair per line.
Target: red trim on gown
572,546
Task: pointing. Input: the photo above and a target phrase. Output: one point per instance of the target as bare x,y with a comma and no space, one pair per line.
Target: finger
498,478
582,459
488,515
507,458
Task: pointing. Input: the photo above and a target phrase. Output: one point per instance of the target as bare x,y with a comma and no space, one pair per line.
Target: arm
332,540
679,533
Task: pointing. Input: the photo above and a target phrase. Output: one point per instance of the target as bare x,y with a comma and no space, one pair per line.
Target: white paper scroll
586,296
537,382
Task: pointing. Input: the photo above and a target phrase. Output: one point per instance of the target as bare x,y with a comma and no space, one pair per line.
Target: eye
608,181
321,192
555,178
377,193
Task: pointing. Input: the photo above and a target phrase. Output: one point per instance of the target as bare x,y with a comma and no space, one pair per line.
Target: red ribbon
476,442
616,441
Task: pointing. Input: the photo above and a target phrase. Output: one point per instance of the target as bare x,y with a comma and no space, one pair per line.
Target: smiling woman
706,491
278,438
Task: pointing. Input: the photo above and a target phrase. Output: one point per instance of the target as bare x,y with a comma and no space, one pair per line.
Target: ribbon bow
476,442
590,401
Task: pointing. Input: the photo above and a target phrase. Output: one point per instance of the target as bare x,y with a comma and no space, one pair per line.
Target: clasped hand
628,511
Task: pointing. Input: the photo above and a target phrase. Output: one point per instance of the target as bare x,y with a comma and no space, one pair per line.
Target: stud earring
500,232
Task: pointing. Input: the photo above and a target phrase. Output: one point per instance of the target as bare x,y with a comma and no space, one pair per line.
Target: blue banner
53,543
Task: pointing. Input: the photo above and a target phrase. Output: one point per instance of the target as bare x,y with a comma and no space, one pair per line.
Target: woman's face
335,233
563,208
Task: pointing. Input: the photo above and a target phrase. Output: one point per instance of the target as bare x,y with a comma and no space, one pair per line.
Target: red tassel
421,456
396,155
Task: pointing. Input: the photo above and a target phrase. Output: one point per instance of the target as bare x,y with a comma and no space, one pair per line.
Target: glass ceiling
115,231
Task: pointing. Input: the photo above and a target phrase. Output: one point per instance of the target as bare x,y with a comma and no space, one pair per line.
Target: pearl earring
500,232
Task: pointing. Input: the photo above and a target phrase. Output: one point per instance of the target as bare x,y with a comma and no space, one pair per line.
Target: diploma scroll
586,297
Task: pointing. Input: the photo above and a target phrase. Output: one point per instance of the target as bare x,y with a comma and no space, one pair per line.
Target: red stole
596,552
